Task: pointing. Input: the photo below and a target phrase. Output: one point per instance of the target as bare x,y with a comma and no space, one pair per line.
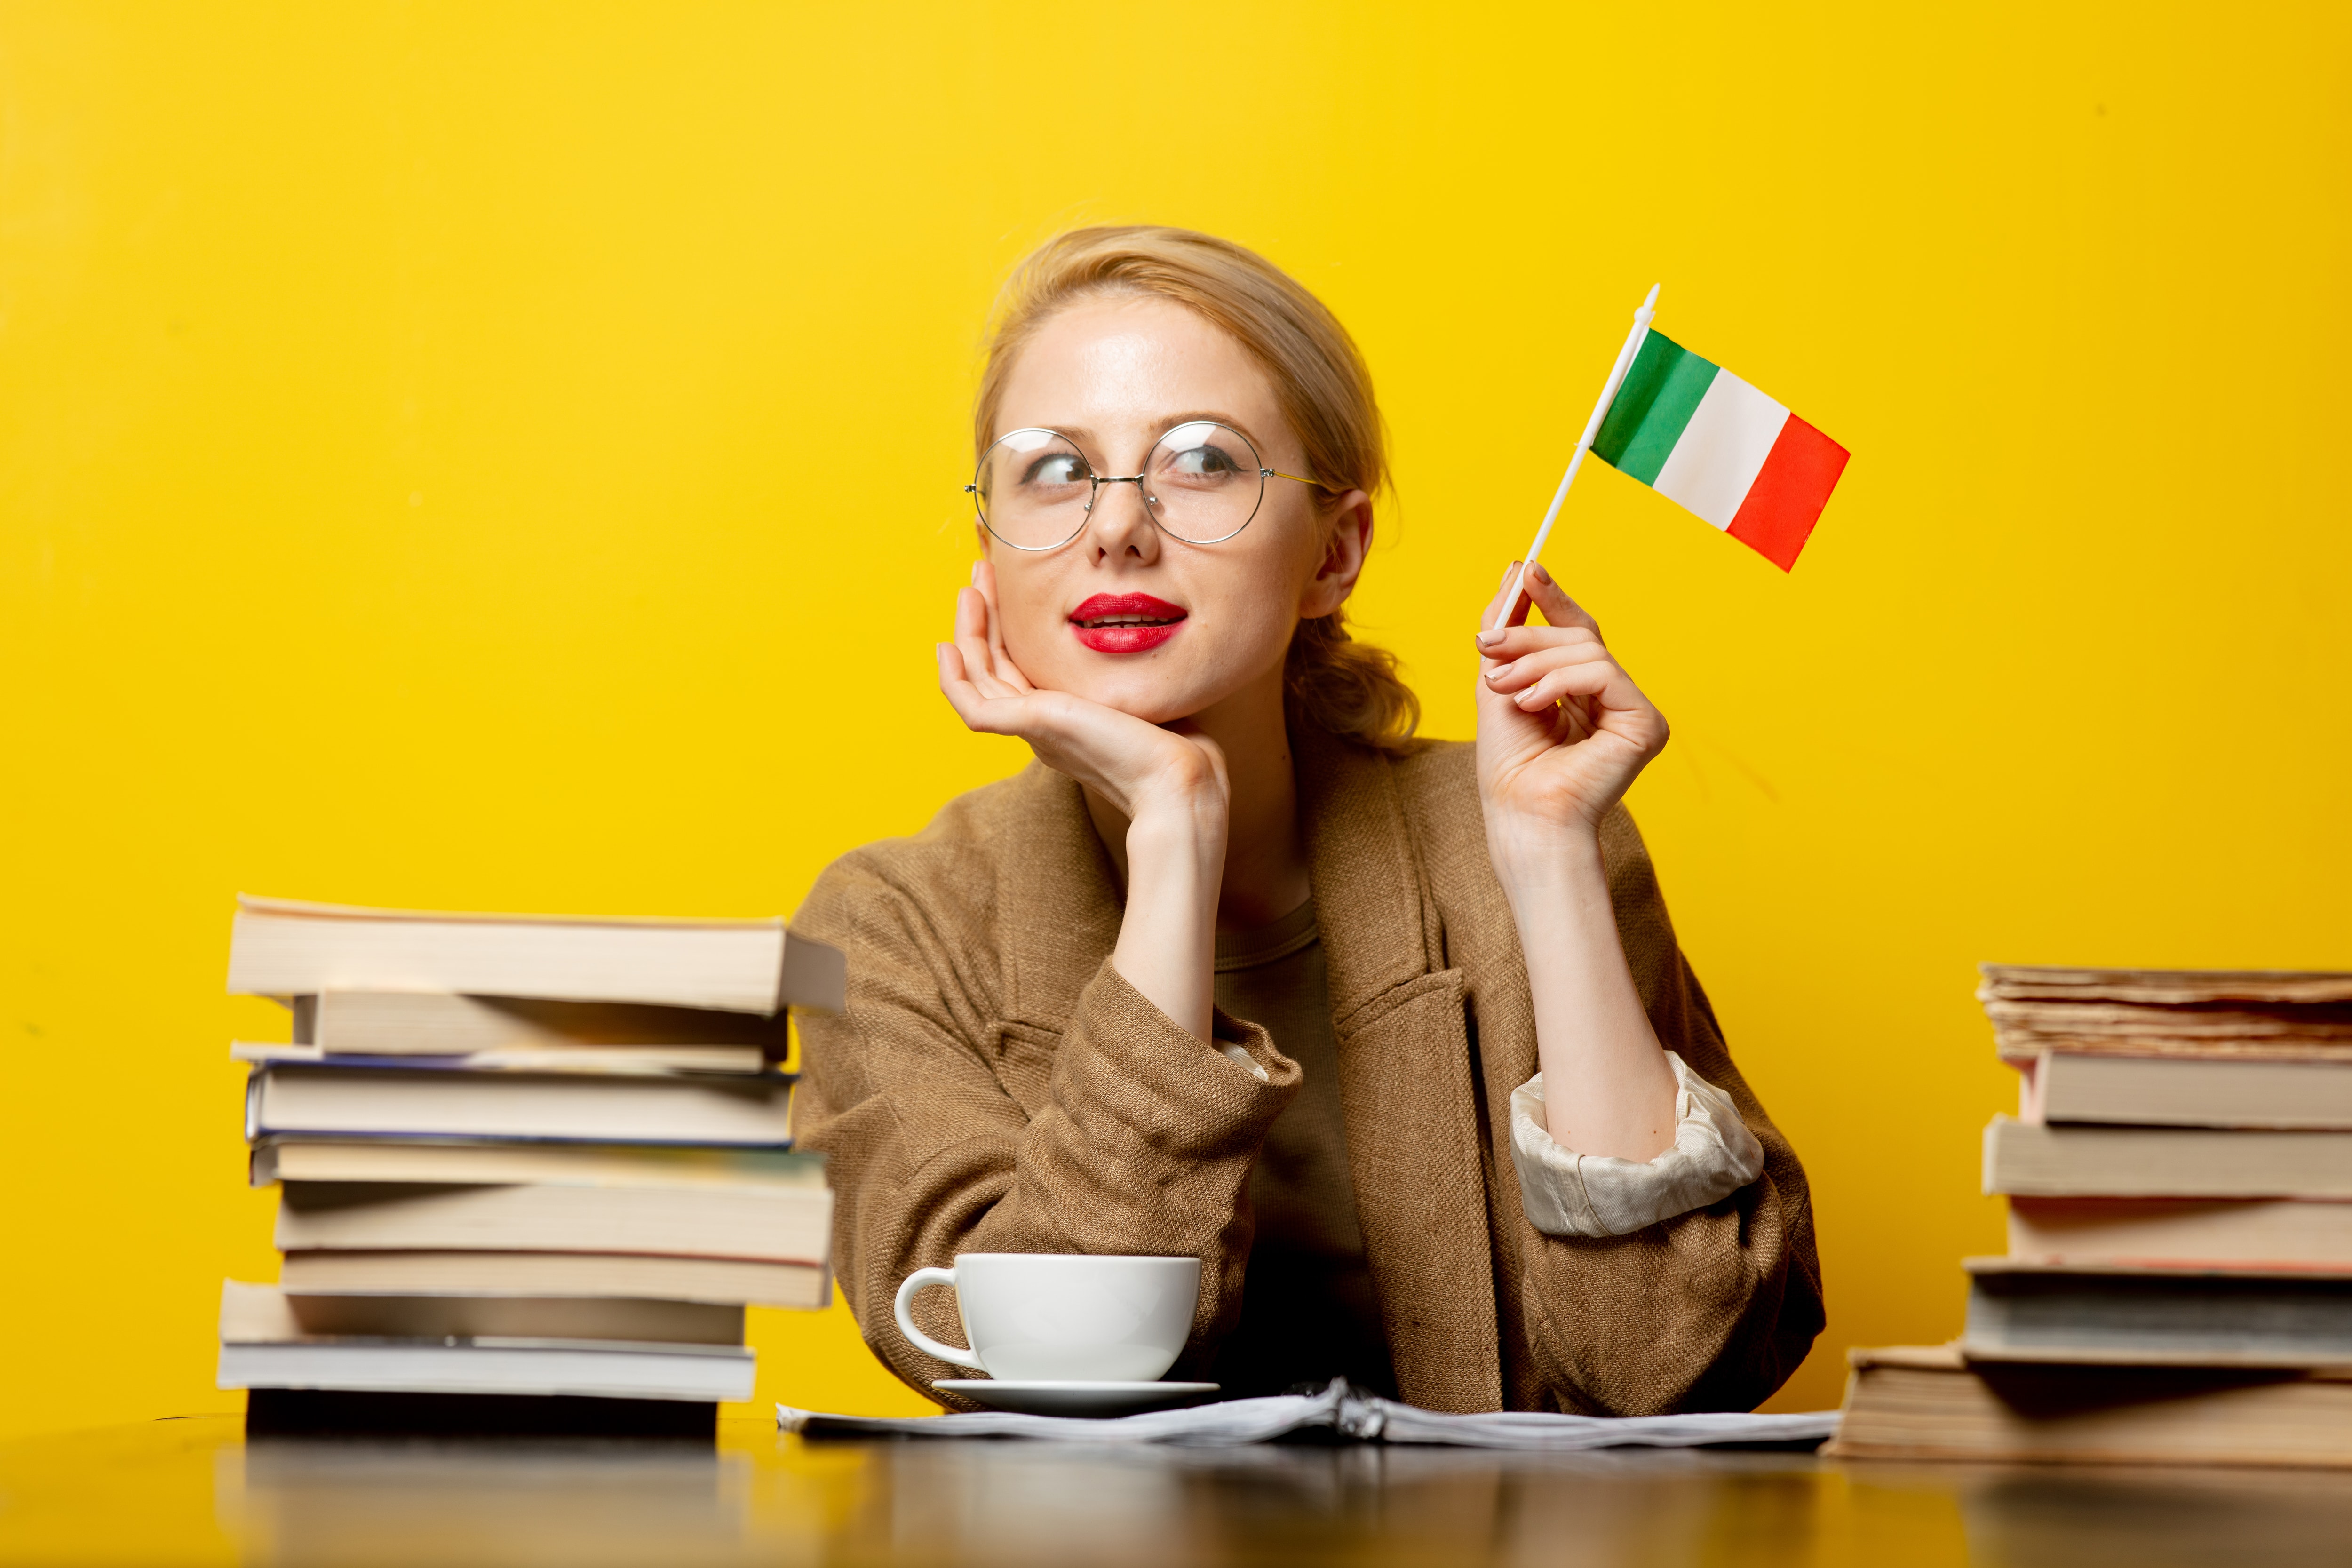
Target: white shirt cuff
1568,1193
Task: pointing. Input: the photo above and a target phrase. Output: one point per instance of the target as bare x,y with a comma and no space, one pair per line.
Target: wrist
1177,835
1177,813
1531,856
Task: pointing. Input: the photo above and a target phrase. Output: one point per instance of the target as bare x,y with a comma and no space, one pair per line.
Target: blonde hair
1331,680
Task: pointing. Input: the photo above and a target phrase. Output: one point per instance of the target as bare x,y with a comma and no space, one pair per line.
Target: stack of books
2179,1282
530,1169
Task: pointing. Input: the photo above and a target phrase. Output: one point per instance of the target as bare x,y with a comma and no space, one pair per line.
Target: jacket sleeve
1713,1308
1567,1193
947,1130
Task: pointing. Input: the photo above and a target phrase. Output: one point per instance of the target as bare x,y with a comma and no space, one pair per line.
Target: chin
1150,700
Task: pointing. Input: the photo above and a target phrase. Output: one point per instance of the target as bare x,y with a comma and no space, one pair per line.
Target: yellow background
507,455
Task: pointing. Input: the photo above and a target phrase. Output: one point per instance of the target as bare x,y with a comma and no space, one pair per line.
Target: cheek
1277,574
1250,620
1025,607
1254,607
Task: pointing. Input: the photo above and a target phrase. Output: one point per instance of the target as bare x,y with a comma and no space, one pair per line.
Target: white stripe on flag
1722,449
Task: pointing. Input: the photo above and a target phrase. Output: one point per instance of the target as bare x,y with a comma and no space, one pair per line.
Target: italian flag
1706,440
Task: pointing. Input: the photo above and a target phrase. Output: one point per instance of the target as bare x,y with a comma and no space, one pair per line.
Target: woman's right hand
1170,787
1137,766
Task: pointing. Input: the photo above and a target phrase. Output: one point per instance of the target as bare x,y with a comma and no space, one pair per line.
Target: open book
1342,1409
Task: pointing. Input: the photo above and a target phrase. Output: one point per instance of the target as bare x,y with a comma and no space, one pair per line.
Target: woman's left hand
1562,730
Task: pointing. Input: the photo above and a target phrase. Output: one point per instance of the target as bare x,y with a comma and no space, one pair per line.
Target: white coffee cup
1047,1317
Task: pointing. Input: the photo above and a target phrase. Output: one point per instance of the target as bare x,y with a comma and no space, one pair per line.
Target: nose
1119,524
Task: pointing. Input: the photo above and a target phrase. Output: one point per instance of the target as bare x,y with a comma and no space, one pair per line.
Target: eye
1055,469
1203,464
1206,460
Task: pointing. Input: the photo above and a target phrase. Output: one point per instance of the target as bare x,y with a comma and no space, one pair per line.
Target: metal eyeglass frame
1096,482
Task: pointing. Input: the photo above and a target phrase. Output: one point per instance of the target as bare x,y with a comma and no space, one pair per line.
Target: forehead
1132,365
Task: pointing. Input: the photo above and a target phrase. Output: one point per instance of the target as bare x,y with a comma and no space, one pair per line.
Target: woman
1393,1036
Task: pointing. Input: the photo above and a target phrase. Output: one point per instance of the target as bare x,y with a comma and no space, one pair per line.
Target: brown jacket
995,1086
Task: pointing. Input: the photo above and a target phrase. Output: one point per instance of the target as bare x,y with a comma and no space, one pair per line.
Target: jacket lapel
1057,911
1406,1083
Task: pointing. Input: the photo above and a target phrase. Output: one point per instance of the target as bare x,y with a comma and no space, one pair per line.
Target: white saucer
1076,1398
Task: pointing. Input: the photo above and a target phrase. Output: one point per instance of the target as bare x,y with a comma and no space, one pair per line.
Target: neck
1265,874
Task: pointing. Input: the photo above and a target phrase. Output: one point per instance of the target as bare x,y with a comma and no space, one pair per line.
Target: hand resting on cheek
1135,765
1171,785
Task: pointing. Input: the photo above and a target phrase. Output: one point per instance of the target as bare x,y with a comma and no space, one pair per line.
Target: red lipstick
1126,623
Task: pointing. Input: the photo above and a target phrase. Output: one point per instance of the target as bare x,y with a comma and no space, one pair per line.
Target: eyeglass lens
1201,483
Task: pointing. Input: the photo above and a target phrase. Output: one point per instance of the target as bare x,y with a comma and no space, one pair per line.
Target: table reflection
2253,1519
1049,1505
592,1501
196,1491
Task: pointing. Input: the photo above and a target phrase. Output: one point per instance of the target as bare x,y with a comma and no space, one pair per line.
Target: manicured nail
1538,574
1489,639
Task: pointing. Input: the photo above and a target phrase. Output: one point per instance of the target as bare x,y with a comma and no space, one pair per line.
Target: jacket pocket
1450,983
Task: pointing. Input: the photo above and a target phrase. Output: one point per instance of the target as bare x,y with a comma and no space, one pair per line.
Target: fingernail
975,573
1489,639
1500,671
1538,574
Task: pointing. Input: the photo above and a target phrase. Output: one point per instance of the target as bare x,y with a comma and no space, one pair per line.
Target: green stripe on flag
1658,397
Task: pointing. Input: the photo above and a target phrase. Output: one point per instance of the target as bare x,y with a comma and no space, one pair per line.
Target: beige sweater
995,1086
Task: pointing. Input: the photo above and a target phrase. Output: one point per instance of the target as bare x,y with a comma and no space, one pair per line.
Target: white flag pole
1592,428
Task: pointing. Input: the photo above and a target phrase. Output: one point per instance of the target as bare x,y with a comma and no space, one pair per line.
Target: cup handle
921,1341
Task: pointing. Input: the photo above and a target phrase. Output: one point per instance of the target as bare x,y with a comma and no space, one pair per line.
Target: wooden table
194,1491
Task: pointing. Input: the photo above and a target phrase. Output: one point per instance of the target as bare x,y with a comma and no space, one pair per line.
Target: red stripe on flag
1789,494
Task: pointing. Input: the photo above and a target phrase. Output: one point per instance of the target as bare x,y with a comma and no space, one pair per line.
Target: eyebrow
1166,423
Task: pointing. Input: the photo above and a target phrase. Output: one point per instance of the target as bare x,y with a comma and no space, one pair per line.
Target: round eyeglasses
1203,483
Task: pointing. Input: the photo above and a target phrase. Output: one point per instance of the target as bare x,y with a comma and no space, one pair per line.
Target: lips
1126,623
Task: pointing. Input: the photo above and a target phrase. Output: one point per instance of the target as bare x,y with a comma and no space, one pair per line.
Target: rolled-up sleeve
1567,1193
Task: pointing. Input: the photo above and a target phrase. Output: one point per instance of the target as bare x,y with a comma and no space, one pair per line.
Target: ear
1344,549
